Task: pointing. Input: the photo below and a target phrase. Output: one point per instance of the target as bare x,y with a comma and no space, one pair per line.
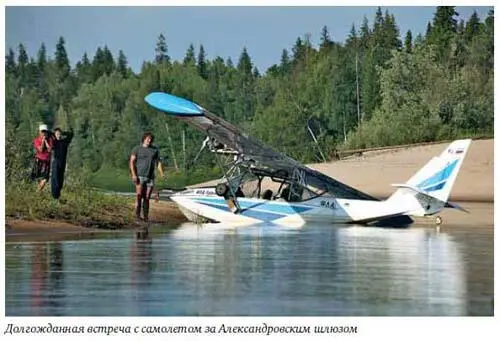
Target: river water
260,270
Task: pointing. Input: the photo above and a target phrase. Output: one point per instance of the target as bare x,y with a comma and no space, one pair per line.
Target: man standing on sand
43,147
143,161
60,146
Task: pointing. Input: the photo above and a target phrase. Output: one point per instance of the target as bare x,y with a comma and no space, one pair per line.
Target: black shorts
41,169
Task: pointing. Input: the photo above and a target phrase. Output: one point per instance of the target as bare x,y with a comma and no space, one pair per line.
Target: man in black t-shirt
143,161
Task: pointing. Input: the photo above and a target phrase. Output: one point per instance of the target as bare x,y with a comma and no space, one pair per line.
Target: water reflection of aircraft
320,270
299,194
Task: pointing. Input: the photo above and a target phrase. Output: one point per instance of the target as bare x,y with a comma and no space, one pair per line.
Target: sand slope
375,173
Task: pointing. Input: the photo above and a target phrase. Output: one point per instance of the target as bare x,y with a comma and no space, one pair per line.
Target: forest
379,87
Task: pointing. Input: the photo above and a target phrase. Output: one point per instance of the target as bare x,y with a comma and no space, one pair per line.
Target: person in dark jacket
60,146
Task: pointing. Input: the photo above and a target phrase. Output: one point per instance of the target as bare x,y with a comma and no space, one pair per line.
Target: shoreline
163,214
166,216
372,173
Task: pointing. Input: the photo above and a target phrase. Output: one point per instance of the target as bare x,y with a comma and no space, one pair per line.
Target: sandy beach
372,172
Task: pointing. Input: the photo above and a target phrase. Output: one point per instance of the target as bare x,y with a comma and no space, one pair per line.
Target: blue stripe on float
251,213
265,205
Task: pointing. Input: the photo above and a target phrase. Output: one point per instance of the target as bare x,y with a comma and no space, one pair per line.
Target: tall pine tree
62,61
10,63
121,64
245,64
325,41
161,51
42,58
202,64
22,65
408,42
189,58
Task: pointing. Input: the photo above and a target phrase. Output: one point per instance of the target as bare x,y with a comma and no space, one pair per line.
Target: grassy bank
83,201
78,205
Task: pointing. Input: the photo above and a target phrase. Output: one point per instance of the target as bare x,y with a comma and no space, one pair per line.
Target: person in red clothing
43,147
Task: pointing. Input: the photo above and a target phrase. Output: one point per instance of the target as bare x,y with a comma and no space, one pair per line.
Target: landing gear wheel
438,220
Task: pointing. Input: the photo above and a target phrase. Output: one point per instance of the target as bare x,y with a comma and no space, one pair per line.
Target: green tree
84,70
245,64
42,58
378,24
428,32
122,66
22,63
189,58
391,33
10,63
98,67
62,61
284,63
202,64
255,72
473,27
298,51
408,42
353,40
443,30
325,41
370,86
108,61
161,50
365,35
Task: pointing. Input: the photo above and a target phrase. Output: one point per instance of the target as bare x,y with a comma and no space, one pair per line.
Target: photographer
43,146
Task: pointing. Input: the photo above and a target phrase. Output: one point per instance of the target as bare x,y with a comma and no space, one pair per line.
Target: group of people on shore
51,150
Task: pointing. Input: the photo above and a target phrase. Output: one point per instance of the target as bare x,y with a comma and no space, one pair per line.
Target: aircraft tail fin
431,185
437,177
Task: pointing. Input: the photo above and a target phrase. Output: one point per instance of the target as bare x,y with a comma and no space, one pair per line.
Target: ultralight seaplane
261,185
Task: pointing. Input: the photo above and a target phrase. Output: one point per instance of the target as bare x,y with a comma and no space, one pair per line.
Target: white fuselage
205,203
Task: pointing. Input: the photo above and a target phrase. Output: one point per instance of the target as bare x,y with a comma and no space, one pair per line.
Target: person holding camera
43,147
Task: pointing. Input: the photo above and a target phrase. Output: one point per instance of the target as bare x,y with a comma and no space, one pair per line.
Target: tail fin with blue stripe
431,186
437,177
